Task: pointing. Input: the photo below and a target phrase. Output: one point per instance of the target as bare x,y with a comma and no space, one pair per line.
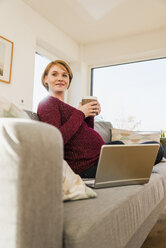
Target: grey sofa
32,213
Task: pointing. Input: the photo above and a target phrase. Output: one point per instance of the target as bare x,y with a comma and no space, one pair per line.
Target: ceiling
88,21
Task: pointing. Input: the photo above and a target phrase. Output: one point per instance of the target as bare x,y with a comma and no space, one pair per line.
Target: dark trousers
91,172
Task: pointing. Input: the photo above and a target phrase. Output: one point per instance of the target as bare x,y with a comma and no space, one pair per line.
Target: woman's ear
45,78
45,81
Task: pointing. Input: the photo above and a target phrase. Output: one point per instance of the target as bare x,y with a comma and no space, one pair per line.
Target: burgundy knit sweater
82,143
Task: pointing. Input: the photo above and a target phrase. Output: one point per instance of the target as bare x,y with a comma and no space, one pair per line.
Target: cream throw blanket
73,186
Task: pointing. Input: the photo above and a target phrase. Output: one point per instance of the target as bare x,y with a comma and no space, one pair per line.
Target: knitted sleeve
90,121
50,113
72,125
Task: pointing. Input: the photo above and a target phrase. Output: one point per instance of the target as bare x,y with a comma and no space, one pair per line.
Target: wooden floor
157,237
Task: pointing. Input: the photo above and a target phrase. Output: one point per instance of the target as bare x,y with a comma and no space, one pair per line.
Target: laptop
121,165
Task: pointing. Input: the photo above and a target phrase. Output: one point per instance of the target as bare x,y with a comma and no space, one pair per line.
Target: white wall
79,86
137,47
20,24
126,49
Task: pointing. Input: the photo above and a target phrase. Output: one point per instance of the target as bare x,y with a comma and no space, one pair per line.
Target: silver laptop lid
125,164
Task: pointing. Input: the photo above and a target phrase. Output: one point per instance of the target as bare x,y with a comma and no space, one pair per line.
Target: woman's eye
64,75
54,74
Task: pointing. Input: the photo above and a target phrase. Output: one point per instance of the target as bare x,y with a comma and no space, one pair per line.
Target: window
39,92
132,96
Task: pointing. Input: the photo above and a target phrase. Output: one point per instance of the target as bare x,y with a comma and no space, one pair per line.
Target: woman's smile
60,84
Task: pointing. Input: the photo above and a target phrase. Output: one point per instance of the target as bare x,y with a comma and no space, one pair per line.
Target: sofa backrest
32,115
102,127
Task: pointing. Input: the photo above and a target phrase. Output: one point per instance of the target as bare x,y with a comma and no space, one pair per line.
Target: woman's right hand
90,109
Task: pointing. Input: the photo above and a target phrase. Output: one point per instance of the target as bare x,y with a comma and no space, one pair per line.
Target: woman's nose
59,77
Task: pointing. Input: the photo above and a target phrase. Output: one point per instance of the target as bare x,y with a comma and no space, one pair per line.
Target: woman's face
57,79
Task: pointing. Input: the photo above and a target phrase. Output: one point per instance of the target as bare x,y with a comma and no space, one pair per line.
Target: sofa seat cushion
161,170
113,217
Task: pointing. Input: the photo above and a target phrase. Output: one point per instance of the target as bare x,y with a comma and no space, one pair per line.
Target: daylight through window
132,95
39,92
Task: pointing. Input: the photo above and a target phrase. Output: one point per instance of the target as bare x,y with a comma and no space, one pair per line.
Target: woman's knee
115,142
160,153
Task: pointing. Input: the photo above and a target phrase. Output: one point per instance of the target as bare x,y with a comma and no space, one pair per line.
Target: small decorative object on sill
162,134
163,141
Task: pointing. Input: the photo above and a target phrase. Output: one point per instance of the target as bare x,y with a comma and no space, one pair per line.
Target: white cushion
9,109
73,186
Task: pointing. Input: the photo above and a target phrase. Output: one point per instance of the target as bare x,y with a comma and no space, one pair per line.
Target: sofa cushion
9,109
104,129
111,219
32,115
161,169
73,186
131,137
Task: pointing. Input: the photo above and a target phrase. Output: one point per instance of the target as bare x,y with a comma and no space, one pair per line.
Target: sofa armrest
31,207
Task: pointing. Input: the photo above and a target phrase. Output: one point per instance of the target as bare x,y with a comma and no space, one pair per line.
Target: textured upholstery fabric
161,170
104,129
140,234
32,115
115,215
31,210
